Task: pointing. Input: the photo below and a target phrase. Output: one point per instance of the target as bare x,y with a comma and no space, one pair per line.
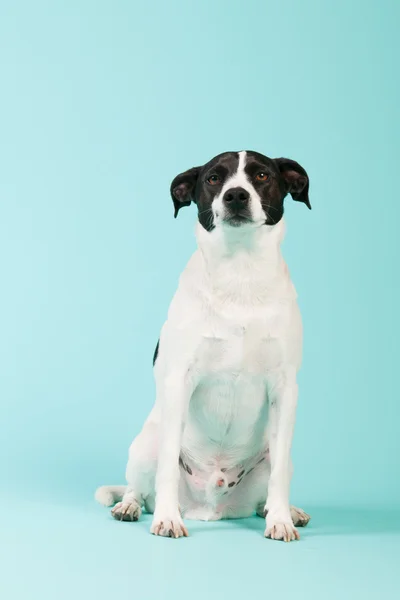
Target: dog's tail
108,495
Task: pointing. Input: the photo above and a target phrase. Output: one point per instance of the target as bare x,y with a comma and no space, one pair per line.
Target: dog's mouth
237,219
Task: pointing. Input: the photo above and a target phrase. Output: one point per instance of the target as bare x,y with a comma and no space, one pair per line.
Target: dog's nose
236,198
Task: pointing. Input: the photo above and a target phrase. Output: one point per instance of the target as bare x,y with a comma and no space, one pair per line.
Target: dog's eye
213,180
262,176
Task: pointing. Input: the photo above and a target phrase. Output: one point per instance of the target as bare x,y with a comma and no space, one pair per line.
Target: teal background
102,104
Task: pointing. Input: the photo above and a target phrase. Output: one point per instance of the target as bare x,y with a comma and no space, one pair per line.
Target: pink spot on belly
197,482
220,482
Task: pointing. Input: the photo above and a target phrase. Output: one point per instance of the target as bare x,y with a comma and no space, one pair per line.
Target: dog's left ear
296,179
183,187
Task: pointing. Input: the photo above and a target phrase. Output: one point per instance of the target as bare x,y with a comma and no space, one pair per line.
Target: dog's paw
286,532
169,527
126,511
300,517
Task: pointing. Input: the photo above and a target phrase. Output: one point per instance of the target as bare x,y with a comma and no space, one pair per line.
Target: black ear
183,187
296,179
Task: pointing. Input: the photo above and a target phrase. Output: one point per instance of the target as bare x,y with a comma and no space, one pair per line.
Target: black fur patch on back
156,353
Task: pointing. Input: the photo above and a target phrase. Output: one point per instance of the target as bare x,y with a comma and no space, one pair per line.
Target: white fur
226,387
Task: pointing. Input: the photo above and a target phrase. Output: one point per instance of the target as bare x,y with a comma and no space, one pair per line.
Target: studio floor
51,550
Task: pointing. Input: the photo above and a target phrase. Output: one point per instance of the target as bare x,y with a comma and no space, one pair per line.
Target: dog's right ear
183,187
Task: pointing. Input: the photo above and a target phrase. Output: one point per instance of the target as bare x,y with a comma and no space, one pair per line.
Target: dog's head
240,189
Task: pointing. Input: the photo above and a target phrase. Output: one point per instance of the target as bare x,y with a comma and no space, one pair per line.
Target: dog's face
240,189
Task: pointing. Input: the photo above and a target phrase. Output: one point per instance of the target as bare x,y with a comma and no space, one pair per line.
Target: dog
217,442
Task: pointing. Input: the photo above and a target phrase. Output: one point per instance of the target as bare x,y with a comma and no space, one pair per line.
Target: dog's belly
225,450
227,419
225,456
228,410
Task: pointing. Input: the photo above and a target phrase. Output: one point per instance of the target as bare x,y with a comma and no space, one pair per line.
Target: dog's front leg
175,392
282,412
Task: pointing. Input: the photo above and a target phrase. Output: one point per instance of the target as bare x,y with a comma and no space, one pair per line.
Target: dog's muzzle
236,202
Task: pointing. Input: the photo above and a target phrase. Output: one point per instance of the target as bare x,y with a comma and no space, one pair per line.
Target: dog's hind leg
299,516
129,508
140,476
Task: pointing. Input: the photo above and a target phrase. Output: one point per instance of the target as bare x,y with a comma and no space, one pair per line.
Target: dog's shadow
324,522
353,521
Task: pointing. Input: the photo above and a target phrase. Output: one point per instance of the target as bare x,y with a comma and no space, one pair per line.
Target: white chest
250,346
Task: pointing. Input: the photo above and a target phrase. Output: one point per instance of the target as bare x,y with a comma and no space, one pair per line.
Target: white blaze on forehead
242,162
238,179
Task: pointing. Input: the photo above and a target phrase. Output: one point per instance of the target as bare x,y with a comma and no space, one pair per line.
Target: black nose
236,198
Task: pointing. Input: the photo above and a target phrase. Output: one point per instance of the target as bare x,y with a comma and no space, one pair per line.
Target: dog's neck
222,243
245,264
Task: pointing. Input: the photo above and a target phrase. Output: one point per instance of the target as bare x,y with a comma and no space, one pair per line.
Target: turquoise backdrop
102,103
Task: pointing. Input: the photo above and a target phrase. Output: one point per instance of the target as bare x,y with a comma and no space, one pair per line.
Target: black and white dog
217,442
